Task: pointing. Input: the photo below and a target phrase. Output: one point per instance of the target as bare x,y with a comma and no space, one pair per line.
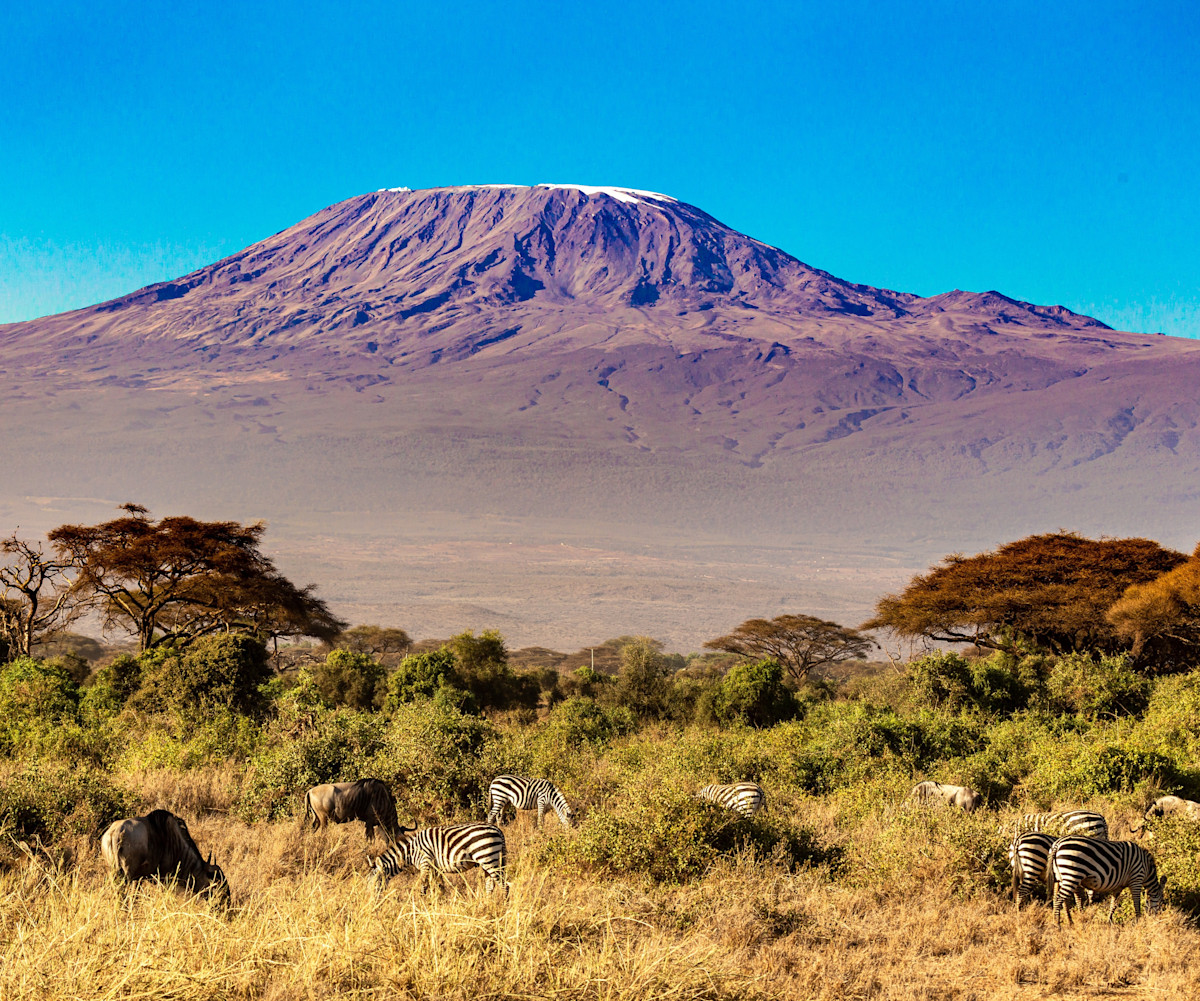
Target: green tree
643,679
422,676
1052,591
347,678
226,670
753,692
484,672
800,643
382,644
174,580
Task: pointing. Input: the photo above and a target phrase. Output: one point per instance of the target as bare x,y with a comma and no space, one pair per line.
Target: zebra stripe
1103,867
1029,856
526,794
1070,823
745,798
436,851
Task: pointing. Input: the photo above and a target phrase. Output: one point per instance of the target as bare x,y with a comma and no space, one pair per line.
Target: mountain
572,412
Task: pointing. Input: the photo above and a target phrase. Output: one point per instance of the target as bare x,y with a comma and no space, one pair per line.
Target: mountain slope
501,363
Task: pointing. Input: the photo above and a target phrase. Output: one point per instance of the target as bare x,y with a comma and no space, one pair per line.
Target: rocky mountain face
509,364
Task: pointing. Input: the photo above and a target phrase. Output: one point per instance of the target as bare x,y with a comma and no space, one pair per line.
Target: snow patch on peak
630,195
393,189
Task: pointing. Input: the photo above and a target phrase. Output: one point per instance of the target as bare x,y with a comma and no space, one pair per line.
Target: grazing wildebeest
1169,806
160,846
963,797
368,800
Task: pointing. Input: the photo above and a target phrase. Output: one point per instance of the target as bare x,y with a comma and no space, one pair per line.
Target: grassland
910,907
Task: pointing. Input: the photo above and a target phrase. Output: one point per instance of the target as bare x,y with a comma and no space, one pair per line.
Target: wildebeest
1169,806
963,797
160,846
368,800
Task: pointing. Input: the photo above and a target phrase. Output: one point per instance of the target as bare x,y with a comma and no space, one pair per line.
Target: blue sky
1050,151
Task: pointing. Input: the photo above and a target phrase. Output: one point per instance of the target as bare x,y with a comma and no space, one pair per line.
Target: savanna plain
841,888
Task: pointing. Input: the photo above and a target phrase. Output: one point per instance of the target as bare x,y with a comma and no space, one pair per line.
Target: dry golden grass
305,924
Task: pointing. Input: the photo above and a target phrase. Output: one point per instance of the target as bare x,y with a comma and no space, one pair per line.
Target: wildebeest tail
309,811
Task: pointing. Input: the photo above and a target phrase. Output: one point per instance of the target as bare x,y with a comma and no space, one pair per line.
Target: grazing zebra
1104,867
436,851
1029,856
745,798
1071,823
526,794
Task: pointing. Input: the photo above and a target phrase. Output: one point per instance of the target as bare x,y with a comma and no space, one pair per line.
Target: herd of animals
1069,852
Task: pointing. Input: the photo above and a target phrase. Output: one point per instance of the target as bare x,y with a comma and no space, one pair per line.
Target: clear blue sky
1048,150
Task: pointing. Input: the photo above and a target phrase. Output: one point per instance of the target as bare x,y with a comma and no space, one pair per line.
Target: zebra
436,851
744,798
1103,867
1029,856
526,794
1070,823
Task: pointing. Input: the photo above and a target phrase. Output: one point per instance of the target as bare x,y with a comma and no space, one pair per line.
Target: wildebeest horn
210,856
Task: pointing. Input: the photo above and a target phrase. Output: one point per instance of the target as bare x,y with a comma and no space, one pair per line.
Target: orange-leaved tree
1161,618
173,580
1052,591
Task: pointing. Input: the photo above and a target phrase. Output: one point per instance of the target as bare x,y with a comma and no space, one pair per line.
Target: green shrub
36,698
753,693
1095,687
48,800
1118,769
666,836
347,678
307,745
420,676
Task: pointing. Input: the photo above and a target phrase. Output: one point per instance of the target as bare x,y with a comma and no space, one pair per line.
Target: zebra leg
1136,893
541,813
495,812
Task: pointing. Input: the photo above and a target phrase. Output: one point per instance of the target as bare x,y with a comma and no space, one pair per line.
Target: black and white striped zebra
1068,823
745,798
435,851
526,794
1078,864
1029,856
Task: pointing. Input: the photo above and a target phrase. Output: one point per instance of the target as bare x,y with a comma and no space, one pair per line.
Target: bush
754,693
642,680
347,678
667,836
47,801
994,684
36,698
420,676
1087,686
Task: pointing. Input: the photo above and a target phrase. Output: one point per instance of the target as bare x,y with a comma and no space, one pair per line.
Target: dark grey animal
368,800
159,846
963,797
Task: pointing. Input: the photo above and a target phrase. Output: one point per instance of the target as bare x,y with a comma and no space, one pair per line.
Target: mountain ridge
499,363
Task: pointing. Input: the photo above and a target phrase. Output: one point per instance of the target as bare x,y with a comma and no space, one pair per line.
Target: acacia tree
799,643
1051,590
1161,619
34,595
176,579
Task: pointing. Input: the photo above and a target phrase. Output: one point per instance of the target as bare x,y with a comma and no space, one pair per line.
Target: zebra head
1154,892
